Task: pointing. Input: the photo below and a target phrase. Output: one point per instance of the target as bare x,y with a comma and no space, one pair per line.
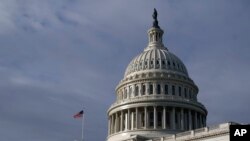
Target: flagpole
82,125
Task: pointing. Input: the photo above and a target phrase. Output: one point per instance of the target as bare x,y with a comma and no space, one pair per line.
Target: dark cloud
58,56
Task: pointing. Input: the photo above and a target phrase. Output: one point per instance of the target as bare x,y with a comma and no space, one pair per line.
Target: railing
155,97
183,134
199,132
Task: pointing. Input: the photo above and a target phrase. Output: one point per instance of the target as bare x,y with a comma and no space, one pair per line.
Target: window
157,62
136,90
158,89
179,91
163,62
168,63
166,89
143,89
130,91
150,89
173,90
185,92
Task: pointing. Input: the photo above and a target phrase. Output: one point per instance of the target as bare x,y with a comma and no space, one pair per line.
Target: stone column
154,88
116,122
162,89
140,89
170,89
122,121
112,124
155,118
173,118
147,88
182,119
182,92
178,116
133,91
195,120
186,121
132,121
145,118
164,117
136,118
128,119
201,125
190,120
205,121
109,126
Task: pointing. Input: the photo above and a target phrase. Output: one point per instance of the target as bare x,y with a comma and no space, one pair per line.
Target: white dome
156,59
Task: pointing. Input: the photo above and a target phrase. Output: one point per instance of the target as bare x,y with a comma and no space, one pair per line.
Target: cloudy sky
58,56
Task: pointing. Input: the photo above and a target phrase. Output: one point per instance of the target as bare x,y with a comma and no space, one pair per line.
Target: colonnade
155,117
163,88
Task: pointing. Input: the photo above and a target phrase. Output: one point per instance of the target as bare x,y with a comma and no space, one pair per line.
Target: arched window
158,89
163,62
180,91
143,89
190,94
150,89
130,91
173,90
136,90
125,93
122,97
185,92
166,89
174,64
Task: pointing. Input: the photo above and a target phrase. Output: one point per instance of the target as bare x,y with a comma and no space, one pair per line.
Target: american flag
79,114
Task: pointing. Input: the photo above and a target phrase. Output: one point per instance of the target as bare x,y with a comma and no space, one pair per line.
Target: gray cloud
57,56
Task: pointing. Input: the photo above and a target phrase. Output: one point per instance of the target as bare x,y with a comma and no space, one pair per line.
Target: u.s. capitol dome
156,96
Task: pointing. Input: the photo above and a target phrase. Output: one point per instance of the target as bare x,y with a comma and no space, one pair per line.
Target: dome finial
155,23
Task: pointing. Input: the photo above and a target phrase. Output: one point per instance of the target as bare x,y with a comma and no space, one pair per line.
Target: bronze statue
155,14
155,23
